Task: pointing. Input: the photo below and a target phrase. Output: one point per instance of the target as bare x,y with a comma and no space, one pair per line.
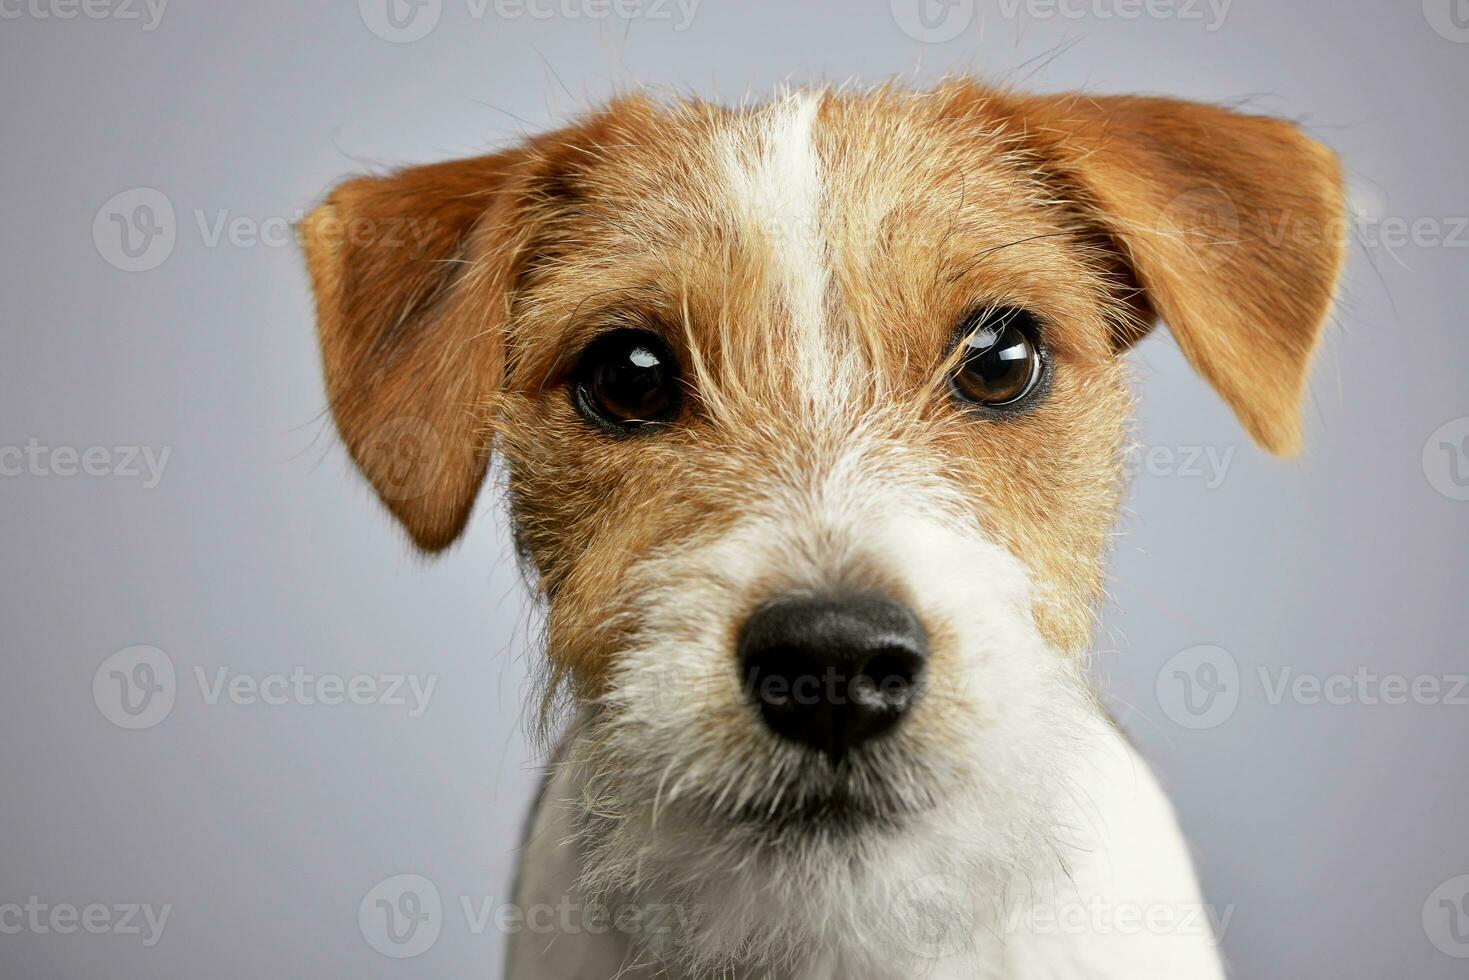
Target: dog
811,417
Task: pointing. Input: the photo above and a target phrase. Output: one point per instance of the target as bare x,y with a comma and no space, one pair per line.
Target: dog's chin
828,858
827,801
792,804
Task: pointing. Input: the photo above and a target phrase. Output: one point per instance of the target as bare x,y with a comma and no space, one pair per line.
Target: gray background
1324,829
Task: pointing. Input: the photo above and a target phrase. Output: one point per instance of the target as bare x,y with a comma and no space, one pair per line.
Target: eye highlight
1001,361
626,380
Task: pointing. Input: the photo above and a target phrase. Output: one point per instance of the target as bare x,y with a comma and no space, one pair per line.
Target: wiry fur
808,262
687,797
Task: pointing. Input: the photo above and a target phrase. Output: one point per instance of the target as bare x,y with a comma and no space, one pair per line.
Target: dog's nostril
889,679
832,672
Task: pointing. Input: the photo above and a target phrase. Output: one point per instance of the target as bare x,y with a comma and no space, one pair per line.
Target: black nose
832,672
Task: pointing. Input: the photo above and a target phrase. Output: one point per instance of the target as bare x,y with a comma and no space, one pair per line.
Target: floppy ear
1233,225
412,274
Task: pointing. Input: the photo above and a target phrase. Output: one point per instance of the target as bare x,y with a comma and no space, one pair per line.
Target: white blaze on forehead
776,183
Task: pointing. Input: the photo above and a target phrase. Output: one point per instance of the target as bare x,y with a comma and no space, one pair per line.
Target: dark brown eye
625,380
1000,358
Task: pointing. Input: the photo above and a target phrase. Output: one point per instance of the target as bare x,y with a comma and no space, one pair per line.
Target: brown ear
1233,225
412,274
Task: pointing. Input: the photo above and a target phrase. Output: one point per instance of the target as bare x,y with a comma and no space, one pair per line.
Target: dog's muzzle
832,672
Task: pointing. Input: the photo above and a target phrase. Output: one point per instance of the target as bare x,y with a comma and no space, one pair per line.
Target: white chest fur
1126,907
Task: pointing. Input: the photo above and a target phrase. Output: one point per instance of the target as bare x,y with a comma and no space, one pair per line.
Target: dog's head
812,416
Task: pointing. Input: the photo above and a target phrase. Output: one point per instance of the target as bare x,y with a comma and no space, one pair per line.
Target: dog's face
812,417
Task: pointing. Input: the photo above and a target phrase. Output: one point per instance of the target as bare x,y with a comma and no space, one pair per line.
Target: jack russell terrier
812,417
